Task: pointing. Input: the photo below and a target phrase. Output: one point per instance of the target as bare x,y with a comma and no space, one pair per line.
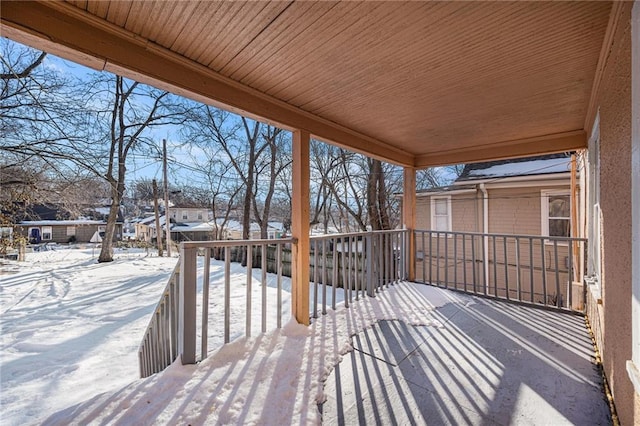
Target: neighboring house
145,228
43,224
195,231
187,214
525,196
233,230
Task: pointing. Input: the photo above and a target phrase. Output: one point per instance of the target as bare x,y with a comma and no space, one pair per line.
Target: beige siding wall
515,211
612,319
466,213
423,213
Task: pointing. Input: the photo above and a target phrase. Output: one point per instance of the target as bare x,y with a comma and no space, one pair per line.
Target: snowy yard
71,329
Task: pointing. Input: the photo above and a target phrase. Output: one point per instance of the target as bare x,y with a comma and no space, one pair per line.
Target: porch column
300,227
409,216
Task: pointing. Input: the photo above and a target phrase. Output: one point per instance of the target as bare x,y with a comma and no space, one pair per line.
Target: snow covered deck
413,354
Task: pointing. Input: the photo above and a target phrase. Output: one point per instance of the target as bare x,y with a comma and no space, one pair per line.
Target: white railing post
187,307
370,262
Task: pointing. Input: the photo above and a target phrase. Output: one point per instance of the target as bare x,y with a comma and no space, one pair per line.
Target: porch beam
547,144
69,32
300,227
409,217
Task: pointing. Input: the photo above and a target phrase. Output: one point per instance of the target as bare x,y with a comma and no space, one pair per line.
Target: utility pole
167,222
155,208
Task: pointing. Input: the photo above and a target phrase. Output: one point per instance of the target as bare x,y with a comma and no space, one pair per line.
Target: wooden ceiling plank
98,8
195,24
301,56
162,23
181,16
119,12
151,64
283,33
252,25
196,46
133,23
225,31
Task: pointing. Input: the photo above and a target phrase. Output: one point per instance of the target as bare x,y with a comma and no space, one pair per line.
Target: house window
441,214
200,215
185,215
556,214
46,233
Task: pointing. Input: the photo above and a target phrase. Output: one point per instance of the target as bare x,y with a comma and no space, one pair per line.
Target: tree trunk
106,253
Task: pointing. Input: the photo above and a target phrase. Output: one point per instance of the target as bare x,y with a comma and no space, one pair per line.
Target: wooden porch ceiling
416,83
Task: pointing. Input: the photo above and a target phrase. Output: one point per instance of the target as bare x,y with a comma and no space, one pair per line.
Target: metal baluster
446,260
571,276
315,277
485,266
279,283
206,278
518,283
334,281
324,276
531,269
464,260
495,266
558,294
227,292
263,264
455,261
506,266
544,272
473,261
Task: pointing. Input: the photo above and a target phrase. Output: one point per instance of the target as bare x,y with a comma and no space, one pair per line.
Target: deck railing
159,347
343,268
358,264
249,251
542,271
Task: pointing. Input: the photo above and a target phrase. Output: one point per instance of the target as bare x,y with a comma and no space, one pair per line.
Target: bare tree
124,113
253,149
39,119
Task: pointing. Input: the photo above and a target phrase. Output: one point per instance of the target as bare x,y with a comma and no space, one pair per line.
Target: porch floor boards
490,363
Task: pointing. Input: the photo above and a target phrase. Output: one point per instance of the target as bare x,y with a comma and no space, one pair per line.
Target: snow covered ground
71,329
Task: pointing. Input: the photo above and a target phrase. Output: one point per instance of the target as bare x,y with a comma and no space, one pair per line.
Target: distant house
525,196
189,214
198,231
47,223
145,228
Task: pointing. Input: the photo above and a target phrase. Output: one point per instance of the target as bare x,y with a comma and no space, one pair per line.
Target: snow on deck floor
272,379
